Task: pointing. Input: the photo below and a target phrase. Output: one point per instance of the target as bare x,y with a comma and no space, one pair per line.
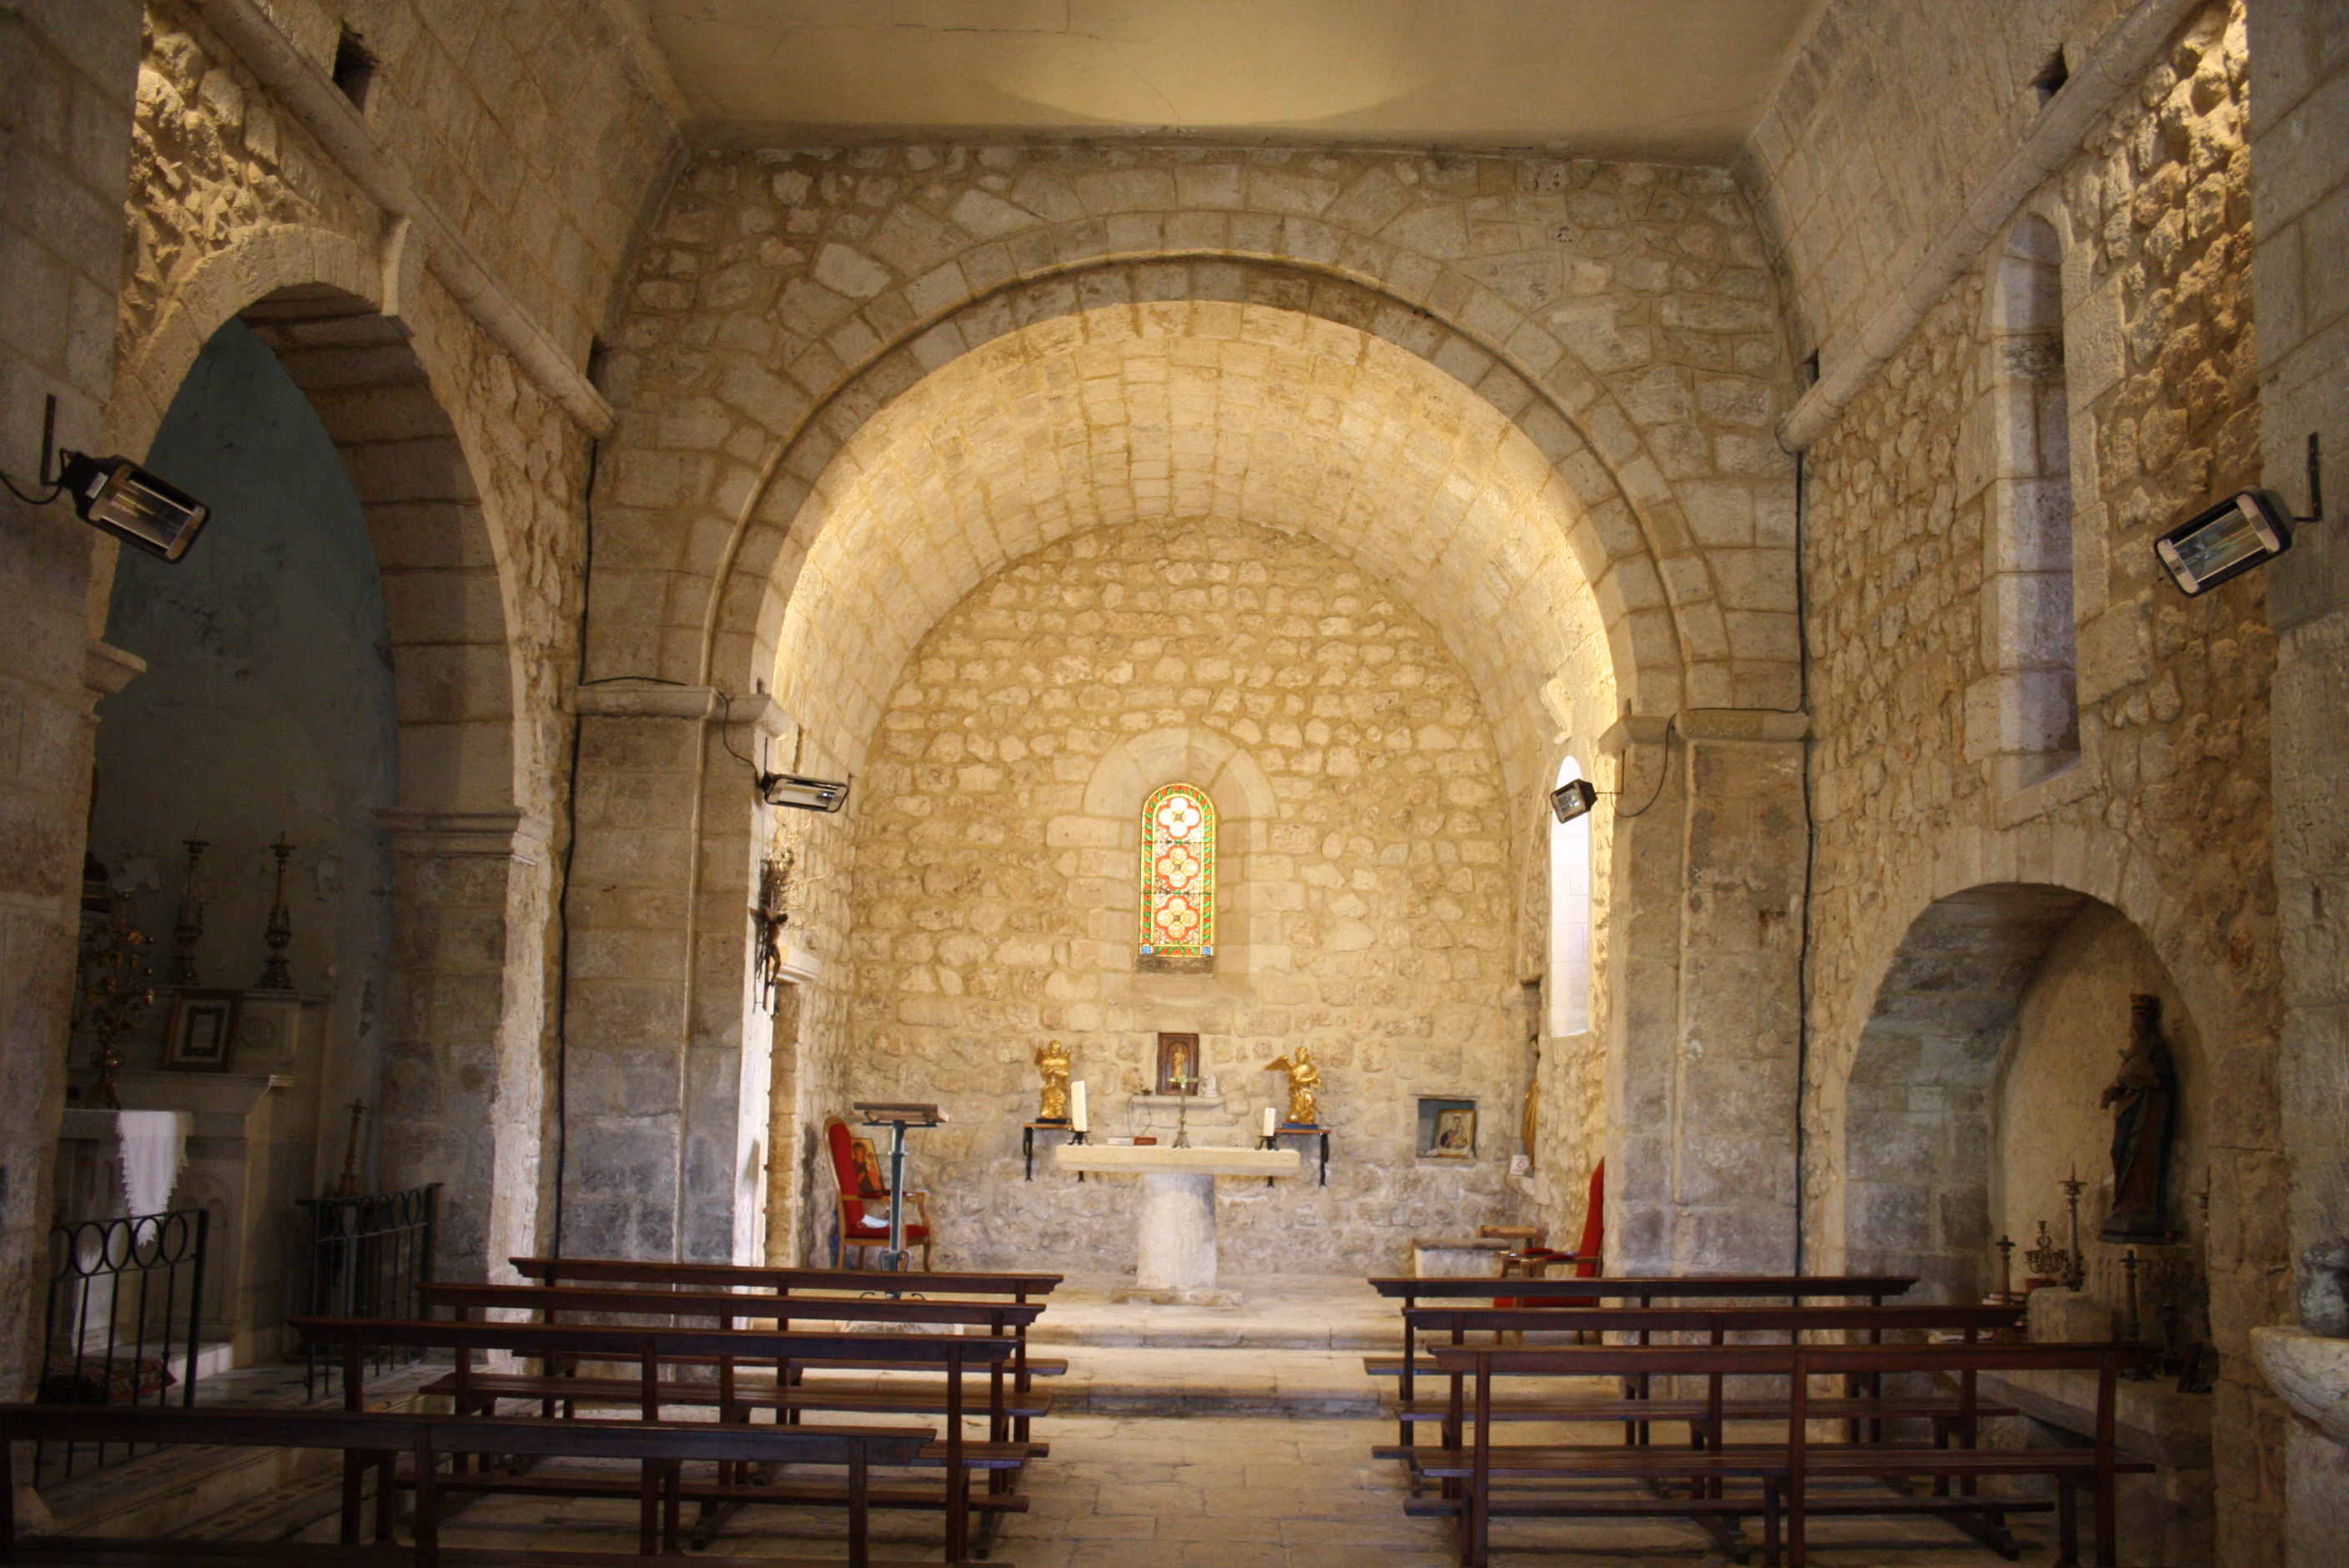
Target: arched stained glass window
1178,876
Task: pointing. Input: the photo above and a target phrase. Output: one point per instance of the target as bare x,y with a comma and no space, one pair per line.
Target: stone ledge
2310,1372
2152,1420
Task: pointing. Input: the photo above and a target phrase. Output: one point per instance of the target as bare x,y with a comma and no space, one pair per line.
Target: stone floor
1183,1437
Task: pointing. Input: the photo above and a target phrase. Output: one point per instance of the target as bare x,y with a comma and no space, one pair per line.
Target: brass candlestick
2076,1273
115,991
189,928
1184,1087
274,975
348,1186
2006,1271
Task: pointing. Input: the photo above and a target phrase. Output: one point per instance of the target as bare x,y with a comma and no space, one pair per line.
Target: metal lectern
897,1117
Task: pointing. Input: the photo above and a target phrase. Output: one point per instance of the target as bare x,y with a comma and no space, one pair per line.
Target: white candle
1077,1105
1268,1121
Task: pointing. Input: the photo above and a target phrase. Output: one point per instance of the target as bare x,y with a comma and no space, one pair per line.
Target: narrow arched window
1569,918
1178,878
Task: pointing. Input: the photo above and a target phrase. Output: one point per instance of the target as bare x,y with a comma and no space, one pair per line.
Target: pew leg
672,1505
386,1496
354,1469
2108,1549
1769,1502
859,1508
648,1510
2067,1523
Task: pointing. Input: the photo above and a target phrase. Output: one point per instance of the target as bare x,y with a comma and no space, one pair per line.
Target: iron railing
366,1257
125,1309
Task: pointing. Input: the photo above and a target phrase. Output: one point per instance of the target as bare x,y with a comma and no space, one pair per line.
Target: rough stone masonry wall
2172,825
992,910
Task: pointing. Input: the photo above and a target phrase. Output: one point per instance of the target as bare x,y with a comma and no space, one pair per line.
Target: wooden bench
653,1349
1484,1479
377,1439
1634,1290
1445,1327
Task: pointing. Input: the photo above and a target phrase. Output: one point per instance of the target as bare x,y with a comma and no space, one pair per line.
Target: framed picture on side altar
203,1025
1178,1064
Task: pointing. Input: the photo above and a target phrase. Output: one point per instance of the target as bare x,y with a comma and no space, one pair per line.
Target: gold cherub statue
1053,1059
1304,1086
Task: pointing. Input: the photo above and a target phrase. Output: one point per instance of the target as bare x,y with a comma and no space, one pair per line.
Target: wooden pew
377,1439
1635,1290
1783,1468
1008,1411
651,1349
772,1280
1449,1326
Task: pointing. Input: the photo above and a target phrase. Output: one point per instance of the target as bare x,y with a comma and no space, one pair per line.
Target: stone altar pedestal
1175,1224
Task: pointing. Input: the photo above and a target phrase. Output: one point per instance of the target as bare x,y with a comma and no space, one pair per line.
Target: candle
1077,1105
1268,1121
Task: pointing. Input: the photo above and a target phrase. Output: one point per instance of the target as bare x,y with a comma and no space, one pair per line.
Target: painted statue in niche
2143,1098
1304,1086
1053,1061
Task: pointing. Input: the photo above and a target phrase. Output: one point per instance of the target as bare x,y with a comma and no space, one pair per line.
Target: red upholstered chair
862,1186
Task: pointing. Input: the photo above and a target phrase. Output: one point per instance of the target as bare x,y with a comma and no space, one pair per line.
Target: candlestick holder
274,975
2134,1333
114,991
348,1186
2006,1297
189,928
2047,1261
2076,1273
1184,1087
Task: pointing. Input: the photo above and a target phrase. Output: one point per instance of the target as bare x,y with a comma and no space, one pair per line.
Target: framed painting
1178,1064
201,1027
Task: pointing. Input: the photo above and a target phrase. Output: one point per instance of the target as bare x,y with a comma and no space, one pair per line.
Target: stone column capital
1748,724
509,834
107,670
633,698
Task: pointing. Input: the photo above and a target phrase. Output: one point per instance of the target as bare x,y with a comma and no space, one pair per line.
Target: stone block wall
1363,883
66,70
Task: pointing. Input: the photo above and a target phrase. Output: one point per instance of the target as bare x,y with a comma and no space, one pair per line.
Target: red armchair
862,1187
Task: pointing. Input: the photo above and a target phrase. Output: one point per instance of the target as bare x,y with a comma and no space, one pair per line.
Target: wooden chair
862,1187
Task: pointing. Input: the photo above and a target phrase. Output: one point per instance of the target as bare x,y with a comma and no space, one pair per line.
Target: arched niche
1995,1029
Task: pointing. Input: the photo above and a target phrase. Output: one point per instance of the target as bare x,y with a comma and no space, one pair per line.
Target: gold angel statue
1304,1086
1053,1058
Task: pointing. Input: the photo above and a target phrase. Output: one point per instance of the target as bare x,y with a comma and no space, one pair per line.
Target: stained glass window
1178,874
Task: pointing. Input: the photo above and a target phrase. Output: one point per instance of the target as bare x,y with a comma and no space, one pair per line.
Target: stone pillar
666,1098
2300,205
67,72
464,1082
1704,1089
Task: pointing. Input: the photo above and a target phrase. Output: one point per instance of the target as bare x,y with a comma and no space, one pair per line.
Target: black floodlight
2246,529
802,794
126,500
1572,798
116,495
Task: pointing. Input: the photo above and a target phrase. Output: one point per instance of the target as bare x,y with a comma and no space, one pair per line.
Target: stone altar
1175,1224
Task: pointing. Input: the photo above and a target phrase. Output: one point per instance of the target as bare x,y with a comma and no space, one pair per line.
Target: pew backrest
779,1280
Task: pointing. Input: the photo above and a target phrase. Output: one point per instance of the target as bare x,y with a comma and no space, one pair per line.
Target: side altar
1175,1224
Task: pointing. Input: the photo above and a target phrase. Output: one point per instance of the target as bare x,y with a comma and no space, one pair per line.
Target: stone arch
318,301
460,1099
1664,614
1973,876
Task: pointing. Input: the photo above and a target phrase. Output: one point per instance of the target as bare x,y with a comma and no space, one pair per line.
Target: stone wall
1883,121
66,69
1363,891
2167,815
2300,216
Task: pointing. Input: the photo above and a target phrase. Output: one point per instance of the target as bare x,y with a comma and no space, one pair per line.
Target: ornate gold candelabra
2076,1274
115,991
274,975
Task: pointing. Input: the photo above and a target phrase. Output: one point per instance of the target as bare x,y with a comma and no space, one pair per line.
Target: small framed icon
201,1029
